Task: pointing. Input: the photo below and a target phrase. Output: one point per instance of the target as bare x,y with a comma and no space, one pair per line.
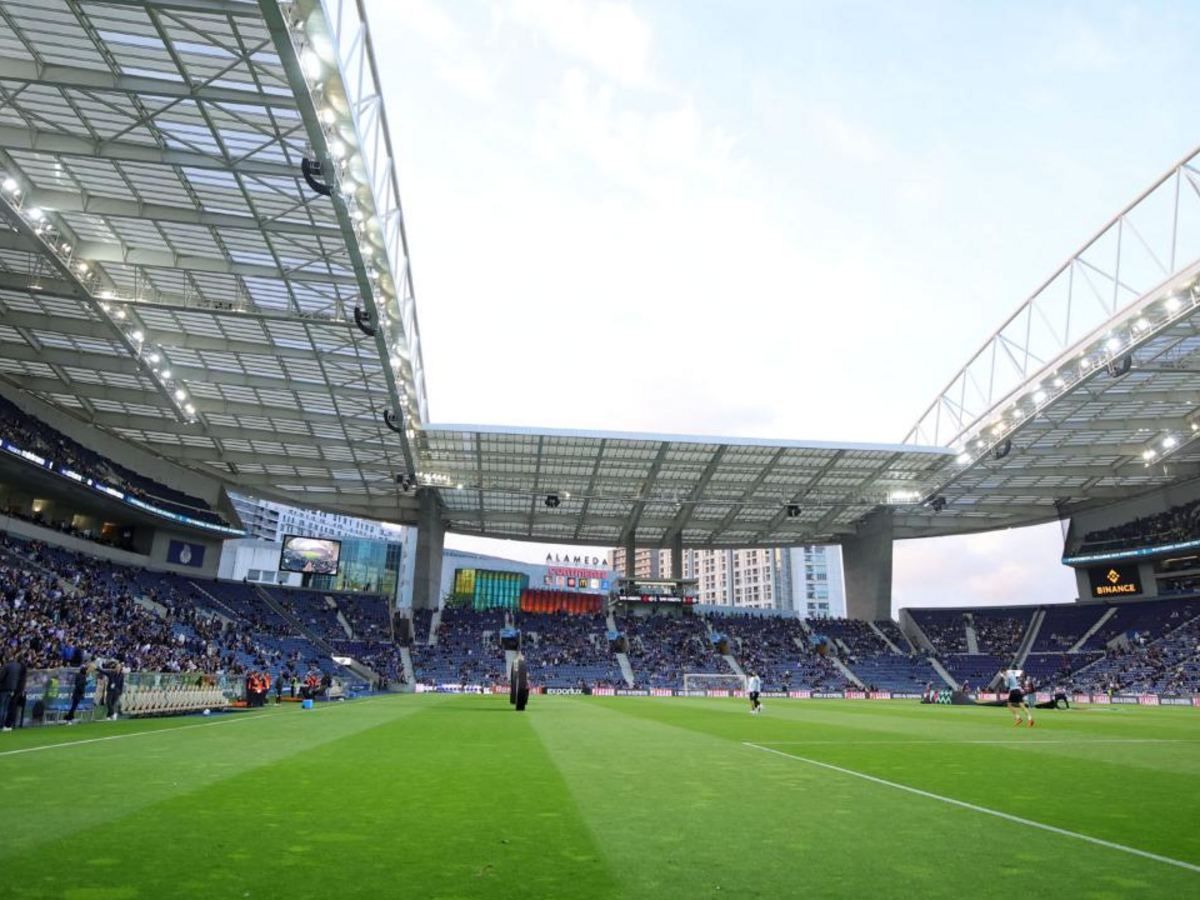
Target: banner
1148,700
881,695
604,692
1081,698
1099,698
183,554
855,695
661,692
1114,581
800,695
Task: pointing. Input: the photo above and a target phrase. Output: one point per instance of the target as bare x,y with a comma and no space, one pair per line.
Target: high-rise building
272,521
805,579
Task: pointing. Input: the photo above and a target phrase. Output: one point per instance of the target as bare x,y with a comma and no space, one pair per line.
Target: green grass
460,797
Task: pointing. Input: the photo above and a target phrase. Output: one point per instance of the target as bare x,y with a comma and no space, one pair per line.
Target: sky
781,220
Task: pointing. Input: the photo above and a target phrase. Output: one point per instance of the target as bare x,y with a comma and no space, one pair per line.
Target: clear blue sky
819,209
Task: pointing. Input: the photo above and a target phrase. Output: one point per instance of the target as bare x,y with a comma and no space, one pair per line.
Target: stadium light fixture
10,185
964,458
1149,454
1170,441
311,63
1113,344
1173,303
180,394
137,336
165,374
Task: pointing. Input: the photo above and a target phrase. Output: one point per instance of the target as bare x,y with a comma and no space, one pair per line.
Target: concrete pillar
431,536
630,556
677,556
867,563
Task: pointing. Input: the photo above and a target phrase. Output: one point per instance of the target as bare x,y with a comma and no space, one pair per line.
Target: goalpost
703,681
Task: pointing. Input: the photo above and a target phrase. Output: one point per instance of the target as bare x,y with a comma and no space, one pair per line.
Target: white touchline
982,809
1010,741
133,734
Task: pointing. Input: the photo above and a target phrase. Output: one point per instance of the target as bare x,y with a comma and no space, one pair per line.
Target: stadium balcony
22,436
1179,523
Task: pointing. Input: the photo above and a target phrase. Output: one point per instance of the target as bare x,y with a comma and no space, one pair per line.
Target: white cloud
609,36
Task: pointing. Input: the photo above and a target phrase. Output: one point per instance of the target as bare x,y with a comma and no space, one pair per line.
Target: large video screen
314,556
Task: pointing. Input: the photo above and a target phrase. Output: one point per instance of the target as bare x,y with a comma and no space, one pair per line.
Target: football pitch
439,796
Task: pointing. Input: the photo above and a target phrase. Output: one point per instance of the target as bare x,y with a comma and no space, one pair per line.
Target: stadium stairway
972,637
735,666
341,619
358,668
846,673
916,637
626,669
410,676
1035,626
883,637
435,622
219,607
941,670
1079,644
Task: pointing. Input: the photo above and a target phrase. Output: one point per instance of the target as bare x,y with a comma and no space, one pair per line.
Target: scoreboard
674,591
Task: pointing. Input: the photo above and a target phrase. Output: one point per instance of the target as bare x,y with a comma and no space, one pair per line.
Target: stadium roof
172,270
1090,391
168,272
709,491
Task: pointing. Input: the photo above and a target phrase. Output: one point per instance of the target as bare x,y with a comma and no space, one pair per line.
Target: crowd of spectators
30,434
59,609
566,650
945,628
1179,523
1000,633
664,648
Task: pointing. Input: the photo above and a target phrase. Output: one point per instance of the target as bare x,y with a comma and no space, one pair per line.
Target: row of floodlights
318,62
1103,354
116,310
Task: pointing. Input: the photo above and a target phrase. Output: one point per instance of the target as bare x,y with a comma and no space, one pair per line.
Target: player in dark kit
518,687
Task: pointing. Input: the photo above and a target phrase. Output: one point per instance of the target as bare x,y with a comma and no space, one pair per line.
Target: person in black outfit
77,692
12,687
518,688
115,688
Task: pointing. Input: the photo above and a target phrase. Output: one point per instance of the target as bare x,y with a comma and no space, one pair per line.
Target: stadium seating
467,650
568,650
945,628
28,433
1179,523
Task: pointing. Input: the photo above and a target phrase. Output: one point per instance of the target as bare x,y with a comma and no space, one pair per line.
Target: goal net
699,681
